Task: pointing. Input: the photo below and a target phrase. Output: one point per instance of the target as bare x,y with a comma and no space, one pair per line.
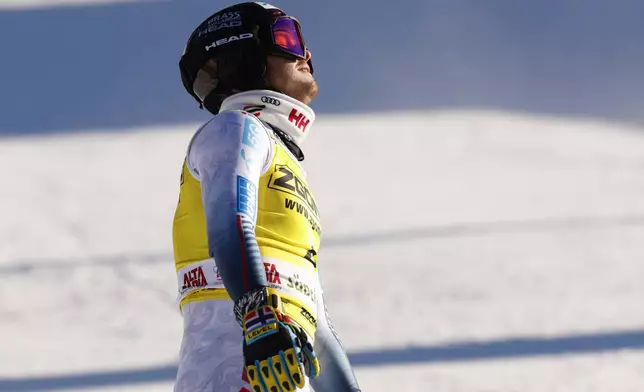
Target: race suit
245,219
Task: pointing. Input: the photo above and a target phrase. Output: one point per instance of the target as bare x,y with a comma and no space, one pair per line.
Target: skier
246,231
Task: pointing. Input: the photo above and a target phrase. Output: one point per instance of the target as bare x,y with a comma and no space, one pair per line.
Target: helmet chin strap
213,100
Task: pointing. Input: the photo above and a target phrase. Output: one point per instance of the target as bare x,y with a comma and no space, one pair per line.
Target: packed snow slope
462,251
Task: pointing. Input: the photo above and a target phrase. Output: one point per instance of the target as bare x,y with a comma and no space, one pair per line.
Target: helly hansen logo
194,278
299,119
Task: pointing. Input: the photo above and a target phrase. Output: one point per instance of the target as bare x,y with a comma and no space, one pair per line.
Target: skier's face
292,77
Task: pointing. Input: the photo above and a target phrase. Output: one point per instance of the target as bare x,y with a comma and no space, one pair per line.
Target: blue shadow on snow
455,352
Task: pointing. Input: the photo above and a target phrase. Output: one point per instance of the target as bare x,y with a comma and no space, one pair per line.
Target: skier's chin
305,89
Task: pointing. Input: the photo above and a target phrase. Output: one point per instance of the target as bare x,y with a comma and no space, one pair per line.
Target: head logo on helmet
227,40
238,39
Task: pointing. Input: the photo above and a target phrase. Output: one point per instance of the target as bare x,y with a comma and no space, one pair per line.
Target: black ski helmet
239,37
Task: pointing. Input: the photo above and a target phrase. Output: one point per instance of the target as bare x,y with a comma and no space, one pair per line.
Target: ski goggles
287,37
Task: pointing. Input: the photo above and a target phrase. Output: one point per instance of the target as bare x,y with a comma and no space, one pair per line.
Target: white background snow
506,235
463,251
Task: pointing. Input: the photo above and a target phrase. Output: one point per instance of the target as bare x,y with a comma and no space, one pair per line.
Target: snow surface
462,251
